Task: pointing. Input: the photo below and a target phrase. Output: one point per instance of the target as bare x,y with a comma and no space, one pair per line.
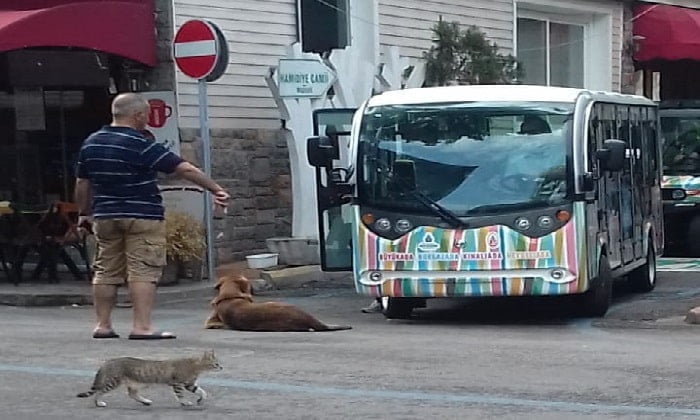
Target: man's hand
85,222
221,198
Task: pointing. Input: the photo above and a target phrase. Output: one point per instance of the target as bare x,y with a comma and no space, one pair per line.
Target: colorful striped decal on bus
429,249
685,182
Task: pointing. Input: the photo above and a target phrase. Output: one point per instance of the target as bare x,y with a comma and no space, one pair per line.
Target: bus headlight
557,274
383,225
545,222
679,194
403,226
522,223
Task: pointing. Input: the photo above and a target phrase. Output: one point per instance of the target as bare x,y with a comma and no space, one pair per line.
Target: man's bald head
131,110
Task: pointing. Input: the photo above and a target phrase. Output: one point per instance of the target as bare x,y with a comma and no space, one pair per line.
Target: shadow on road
559,310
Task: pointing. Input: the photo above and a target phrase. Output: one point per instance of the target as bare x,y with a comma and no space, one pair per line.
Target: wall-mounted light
636,39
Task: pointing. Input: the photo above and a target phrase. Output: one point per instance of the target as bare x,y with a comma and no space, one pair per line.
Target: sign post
201,52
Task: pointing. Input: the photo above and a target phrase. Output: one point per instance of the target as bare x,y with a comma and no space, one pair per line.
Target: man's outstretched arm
193,174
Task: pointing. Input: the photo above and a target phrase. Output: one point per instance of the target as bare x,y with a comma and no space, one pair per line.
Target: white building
577,43
560,42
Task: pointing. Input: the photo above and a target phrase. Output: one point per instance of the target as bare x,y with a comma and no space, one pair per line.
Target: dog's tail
335,328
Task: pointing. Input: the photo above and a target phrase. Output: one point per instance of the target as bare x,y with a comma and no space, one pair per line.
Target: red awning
124,28
666,33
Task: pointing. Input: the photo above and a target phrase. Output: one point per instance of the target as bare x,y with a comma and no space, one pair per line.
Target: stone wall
253,166
629,77
162,77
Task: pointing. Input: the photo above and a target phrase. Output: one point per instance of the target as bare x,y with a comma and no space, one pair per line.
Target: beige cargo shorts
130,250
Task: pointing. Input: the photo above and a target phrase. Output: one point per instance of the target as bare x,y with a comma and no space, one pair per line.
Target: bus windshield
681,144
470,157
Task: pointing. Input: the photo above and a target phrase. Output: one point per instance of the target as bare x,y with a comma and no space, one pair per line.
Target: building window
324,25
551,53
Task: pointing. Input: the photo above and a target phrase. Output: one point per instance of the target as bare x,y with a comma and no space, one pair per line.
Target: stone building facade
253,166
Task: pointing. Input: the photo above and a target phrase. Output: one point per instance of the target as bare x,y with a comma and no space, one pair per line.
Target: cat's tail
95,385
86,394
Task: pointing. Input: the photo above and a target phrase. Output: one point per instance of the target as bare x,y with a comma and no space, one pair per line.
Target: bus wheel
596,301
397,308
643,279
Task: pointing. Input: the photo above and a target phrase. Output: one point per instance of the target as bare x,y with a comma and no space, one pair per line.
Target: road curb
285,279
305,277
164,294
39,299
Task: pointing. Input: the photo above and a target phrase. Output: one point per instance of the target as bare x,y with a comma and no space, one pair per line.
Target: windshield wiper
436,208
514,206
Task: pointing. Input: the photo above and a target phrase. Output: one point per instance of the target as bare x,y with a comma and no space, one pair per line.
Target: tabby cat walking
180,374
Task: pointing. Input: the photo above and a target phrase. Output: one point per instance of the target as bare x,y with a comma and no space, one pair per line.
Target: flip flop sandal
157,335
105,334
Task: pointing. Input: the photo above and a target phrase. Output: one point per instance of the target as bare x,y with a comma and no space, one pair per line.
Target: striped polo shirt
122,167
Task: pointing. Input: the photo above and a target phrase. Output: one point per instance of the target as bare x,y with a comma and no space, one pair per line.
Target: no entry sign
201,50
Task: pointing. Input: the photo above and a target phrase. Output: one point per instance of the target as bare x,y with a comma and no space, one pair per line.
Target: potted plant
184,244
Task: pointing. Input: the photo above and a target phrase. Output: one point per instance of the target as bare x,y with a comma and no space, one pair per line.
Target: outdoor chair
59,231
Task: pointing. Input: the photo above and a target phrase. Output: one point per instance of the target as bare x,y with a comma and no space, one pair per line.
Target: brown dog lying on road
234,308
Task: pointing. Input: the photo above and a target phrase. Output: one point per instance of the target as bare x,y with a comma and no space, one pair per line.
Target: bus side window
650,146
608,118
652,135
639,142
609,129
594,139
623,126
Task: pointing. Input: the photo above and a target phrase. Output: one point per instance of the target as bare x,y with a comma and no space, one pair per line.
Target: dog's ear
219,281
231,290
244,284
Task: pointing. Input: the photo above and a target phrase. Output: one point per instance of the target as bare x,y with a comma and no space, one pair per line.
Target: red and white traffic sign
197,48
201,52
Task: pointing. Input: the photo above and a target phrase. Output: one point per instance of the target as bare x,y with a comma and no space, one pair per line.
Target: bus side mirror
321,151
612,155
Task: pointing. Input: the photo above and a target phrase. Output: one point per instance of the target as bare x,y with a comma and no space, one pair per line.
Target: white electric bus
470,191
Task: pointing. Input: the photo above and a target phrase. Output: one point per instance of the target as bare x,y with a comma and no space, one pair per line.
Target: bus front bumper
544,281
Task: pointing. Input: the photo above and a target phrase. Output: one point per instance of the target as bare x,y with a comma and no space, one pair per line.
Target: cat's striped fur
180,374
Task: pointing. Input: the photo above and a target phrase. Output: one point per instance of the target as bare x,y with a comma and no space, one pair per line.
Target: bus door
653,203
641,196
628,187
609,187
334,215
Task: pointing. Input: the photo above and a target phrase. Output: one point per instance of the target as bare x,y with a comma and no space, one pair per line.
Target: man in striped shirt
117,186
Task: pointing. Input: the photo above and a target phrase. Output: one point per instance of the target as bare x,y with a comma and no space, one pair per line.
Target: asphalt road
467,359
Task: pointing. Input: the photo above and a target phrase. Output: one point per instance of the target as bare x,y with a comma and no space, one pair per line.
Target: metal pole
206,149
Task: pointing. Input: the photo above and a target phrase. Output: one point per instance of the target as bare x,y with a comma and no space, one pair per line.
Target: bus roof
499,93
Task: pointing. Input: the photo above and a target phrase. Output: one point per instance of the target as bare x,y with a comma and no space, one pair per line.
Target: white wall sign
303,78
162,118
356,72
